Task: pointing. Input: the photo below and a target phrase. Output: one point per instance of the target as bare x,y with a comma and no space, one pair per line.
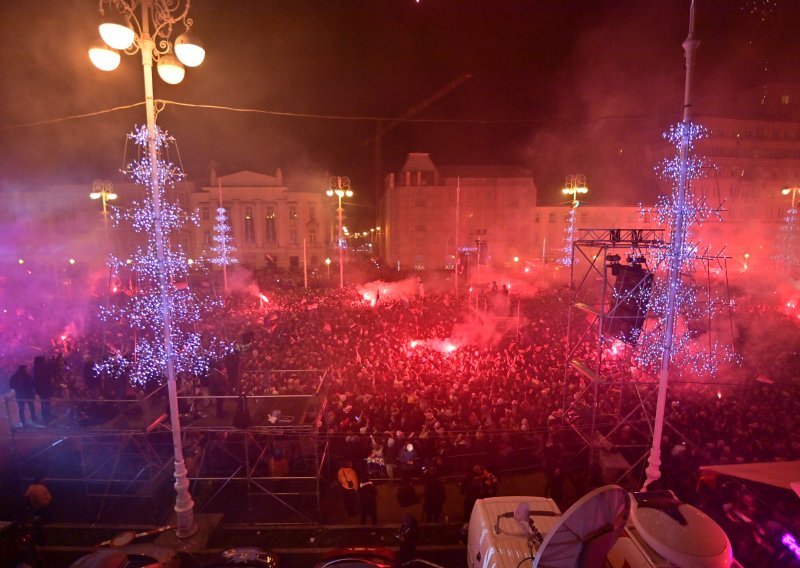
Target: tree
223,249
143,311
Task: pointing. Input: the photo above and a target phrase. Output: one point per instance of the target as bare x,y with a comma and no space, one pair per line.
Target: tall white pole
340,210
184,505
653,470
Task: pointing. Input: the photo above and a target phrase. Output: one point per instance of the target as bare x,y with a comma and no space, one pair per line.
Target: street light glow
104,57
170,69
116,31
189,50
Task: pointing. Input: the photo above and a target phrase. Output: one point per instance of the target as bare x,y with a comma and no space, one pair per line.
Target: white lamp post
150,34
340,187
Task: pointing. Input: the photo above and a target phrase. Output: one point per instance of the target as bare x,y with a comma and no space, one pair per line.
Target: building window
294,262
205,213
249,226
312,212
419,202
206,237
551,218
270,226
292,237
536,218
312,237
292,211
784,99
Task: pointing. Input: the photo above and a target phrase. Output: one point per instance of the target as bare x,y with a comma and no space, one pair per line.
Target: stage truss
129,457
608,404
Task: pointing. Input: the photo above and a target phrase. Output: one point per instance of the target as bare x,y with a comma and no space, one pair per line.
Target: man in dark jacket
368,496
218,387
22,383
433,498
43,385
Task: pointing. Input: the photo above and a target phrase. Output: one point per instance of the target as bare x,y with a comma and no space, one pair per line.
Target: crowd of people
415,383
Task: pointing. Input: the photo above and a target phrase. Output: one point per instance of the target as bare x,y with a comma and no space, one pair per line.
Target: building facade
494,206
269,221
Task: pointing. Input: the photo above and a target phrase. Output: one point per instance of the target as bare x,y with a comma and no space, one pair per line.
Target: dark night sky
577,86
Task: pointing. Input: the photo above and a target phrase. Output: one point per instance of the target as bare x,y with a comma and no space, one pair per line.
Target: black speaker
630,298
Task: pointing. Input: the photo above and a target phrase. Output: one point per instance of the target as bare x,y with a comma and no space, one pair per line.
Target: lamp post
150,34
793,191
576,184
103,189
328,266
340,187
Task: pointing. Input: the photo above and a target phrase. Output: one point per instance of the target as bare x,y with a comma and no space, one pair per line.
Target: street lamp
150,34
340,187
103,189
576,184
328,266
793,191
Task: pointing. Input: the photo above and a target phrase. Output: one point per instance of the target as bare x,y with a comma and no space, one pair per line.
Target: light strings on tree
569,238
694,305
143,311
788,240
223,249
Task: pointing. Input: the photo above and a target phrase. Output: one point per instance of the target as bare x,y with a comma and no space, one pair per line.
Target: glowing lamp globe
116,32
189,50
103,57
170,69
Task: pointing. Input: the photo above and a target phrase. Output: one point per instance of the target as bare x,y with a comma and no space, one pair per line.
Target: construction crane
384,127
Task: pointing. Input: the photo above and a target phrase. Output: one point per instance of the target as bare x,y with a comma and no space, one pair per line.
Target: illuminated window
205,213
784,99
206,237
551,218
312,237
292,237
292,211
271,225
312,212
249,226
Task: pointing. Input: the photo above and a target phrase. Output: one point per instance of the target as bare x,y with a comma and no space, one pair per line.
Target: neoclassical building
269,221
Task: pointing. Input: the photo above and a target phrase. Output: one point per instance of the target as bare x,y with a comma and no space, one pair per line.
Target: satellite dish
583,536
697,542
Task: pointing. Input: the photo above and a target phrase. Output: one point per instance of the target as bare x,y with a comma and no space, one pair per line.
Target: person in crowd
22,384
368,500
433,497
471,487
348,481
406,494
43,385
218,387
39,498
409,537
390,456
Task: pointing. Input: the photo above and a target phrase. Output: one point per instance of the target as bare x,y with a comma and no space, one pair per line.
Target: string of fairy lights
223,248
143,312
693,300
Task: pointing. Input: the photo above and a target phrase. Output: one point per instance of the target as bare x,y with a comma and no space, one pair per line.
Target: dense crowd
415,383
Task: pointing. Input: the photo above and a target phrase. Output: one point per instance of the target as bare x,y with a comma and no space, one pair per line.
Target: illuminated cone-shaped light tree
144,311
787,245
223,248
575,185
674,300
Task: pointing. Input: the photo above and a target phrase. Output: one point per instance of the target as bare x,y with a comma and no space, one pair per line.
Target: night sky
559,86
